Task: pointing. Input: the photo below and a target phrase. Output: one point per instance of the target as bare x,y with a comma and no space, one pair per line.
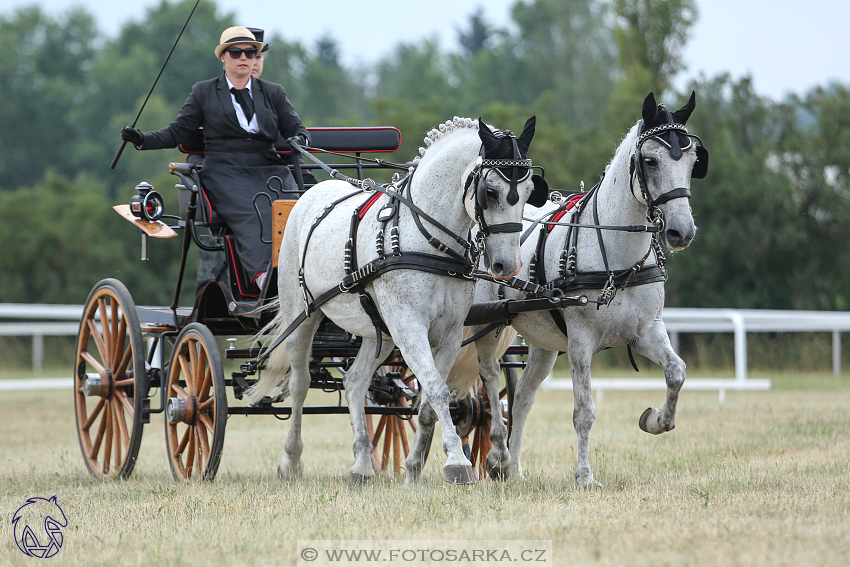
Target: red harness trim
570,205
366,206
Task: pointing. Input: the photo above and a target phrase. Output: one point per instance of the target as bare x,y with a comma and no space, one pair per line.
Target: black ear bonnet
668,128
505,154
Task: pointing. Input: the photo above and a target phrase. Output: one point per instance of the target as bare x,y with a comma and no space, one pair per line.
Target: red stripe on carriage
372,200
570,205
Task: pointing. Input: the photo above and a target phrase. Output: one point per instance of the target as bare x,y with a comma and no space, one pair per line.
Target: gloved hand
301,139
132,135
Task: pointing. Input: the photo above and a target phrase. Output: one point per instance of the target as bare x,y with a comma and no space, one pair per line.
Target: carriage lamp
148,204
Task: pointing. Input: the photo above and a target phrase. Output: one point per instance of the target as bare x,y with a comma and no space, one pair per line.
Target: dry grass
763,479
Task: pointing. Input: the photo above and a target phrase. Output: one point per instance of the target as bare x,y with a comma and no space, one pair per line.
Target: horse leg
584,412
431,370
498,459
421,445
540,363
357,380
655,345
298,346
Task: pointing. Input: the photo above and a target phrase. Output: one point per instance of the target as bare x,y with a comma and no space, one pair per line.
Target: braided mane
436,134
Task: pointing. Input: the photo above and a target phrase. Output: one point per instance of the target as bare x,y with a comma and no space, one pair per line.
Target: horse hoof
355,479
459,475
648,421
498,473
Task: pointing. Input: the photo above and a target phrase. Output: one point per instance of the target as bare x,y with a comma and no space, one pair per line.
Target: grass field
762,479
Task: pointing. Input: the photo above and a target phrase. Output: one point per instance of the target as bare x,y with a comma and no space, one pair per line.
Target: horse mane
623,147
440,132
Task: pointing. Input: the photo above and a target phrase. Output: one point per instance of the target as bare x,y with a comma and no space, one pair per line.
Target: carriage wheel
477,418
110,381
196,410
390,442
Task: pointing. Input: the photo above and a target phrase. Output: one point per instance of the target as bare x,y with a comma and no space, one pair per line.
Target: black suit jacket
209,106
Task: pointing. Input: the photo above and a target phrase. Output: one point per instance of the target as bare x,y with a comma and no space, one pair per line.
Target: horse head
499,185
665,159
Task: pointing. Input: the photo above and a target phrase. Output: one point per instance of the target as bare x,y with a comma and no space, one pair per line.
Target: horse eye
650,161
492,194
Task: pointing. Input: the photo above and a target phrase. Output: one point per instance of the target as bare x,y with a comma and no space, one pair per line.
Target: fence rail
677,320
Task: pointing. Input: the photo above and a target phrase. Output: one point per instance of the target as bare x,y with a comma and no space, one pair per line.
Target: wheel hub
178,411
99,384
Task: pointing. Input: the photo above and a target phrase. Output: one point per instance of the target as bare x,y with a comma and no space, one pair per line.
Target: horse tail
274,380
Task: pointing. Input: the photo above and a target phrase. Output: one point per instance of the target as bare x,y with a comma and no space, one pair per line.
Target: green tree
46,81
67,238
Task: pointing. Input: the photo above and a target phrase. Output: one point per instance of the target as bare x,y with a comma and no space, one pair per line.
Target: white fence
677,320
38,330
739,322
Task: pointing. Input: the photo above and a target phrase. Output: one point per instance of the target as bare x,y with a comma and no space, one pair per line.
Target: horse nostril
674,237
498,268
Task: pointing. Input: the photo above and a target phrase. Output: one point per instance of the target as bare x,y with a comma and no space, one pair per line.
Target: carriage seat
366,139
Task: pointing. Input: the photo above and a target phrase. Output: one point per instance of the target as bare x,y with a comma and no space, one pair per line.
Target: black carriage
127,356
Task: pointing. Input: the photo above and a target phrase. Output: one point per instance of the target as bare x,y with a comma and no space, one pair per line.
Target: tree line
771,213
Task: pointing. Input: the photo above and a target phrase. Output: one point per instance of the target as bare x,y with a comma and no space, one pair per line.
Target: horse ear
524,139
490,141
649,106
684,113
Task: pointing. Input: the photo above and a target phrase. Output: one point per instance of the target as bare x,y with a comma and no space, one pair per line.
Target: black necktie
243,97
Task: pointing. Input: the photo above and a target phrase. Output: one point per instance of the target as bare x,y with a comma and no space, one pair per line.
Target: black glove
132,135
301,139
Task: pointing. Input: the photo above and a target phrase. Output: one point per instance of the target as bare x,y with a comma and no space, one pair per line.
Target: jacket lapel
259,102
227,102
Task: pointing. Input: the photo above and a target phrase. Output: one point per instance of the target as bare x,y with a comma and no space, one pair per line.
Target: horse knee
584,417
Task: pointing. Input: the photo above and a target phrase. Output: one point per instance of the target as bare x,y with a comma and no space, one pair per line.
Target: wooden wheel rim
109,426
196,376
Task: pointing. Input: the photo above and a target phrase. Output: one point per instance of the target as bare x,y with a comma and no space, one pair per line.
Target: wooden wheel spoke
200,367
121,370
97,409
175,387
206,404
95,449
125,401
113,328
208,424
203,392
122,423
107,449
190,452
182,445
104,331
396,444
94,333
186,369
192,371
203,446
116,434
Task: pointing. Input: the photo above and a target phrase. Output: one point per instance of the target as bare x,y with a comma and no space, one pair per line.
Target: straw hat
236,34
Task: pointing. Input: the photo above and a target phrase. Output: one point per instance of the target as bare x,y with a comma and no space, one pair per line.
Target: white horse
467,173
647,180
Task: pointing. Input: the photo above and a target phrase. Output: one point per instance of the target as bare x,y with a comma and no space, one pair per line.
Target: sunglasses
236,53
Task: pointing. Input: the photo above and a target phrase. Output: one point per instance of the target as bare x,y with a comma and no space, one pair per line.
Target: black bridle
676,152
520,170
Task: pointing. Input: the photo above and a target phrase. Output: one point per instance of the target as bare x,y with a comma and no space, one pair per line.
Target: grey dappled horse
466,173
660,150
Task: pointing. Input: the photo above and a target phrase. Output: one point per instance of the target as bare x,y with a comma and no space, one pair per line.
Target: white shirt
254,126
